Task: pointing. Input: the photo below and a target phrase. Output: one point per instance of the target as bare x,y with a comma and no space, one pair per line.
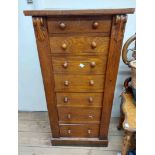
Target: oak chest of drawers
79,53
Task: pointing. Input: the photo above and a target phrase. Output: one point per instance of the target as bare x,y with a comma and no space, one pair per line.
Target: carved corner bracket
38,23
120,18
119,23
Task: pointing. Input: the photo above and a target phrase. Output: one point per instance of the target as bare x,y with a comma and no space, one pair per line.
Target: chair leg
126,142
121,119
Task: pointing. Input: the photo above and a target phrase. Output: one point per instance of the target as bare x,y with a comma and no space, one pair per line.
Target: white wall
31,91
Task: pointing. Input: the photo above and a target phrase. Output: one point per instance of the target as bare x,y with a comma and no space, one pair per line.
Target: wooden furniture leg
128,122
121,119
127,142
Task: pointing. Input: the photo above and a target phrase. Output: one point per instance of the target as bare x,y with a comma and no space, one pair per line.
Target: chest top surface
87,7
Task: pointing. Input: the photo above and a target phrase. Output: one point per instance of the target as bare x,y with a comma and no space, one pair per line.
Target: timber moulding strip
78,12
117,34
79,142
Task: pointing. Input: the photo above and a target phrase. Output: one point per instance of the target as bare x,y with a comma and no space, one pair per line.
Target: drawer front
78,25
79,83
79,115
84,130
79,99
80,45
79,65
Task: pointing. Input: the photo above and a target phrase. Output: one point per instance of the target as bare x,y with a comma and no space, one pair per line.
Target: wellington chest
79,53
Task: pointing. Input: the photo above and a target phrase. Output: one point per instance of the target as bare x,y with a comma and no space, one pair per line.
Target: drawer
78,25
83,130
79,65
79,99
79,114
79,83
79,45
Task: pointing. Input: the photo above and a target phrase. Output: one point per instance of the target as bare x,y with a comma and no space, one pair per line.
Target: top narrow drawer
83,24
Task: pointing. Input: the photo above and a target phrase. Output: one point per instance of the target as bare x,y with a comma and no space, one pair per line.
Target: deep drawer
79,64
79,99
78,25
79,115
79,45
79,83
83,130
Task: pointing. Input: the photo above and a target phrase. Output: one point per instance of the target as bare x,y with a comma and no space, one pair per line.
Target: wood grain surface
79,45
79,65
79,99
82,130
43,47
90,12
79,115
117,34
79,83
79,25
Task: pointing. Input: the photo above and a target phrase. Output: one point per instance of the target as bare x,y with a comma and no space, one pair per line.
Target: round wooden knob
95,25
69,116
69,131
65,99
62,26
93,64
91,82
66,83
89,131
65,65
93,44
64,46
90,99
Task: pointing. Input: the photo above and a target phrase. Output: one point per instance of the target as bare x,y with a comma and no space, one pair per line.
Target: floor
34,138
